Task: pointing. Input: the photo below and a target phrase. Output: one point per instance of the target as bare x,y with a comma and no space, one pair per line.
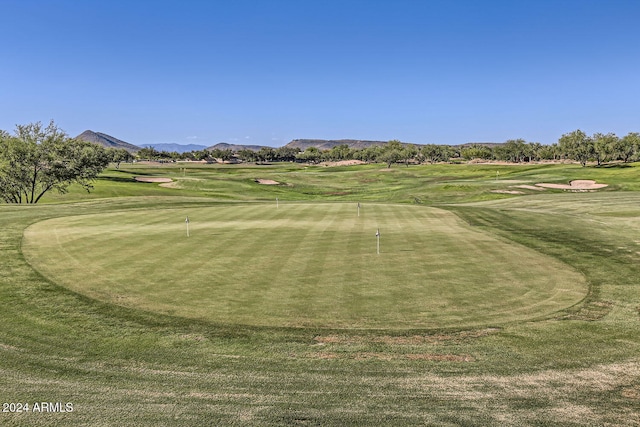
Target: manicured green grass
303,265
120,364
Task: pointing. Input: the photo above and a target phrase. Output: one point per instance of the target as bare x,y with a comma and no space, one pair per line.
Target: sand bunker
152,179
576,185
266,181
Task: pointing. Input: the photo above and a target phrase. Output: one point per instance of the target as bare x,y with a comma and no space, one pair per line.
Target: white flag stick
378,241
277,203
358,208
187,222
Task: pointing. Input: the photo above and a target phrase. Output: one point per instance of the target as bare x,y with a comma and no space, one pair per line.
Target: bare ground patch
343,163
565,393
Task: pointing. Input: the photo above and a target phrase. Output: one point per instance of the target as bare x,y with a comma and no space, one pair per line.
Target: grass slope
125,366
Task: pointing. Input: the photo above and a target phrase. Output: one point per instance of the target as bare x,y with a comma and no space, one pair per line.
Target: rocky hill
106,140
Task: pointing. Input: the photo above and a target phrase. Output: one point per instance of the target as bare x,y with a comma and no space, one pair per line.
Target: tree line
573,146
37,159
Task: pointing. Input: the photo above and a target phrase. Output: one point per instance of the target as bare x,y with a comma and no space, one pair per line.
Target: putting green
312,265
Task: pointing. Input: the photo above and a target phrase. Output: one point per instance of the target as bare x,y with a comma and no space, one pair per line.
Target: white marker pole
358,208
277,203
378,241
187,222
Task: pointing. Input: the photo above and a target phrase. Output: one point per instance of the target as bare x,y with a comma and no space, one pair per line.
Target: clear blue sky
266,72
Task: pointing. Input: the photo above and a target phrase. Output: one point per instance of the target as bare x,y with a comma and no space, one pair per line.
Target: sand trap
266,182
152,179
576,185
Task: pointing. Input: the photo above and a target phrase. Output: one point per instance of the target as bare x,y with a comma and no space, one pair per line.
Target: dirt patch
266,181
152,179
343,163
576,185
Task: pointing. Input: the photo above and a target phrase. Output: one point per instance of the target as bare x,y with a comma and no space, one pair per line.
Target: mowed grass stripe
304,265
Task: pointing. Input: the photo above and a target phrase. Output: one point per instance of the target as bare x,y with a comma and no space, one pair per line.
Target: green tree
247,155
286,154
408,153
604,146
627,148
40,159
548,152
119,155
223,155
475,151
148,153
578,146
310,155
266,154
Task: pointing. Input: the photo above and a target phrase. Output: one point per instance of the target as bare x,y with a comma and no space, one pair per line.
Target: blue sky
266,72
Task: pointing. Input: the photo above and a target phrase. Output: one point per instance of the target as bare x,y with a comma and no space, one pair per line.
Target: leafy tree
39,159
368,154
408,152
287,154
604,146
148,153
310,155
119,155
247,155
476,151
533,150
515,150
339,152
266,154
627,148
390,156
223,155
548,152
578,146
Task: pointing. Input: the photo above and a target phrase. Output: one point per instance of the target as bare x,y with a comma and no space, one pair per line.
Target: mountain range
302,144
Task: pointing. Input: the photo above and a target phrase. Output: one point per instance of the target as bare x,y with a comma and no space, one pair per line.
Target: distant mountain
324,144
106,140
178,148
236,147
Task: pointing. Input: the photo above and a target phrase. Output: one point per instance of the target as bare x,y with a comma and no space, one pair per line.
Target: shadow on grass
117,179
616,166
